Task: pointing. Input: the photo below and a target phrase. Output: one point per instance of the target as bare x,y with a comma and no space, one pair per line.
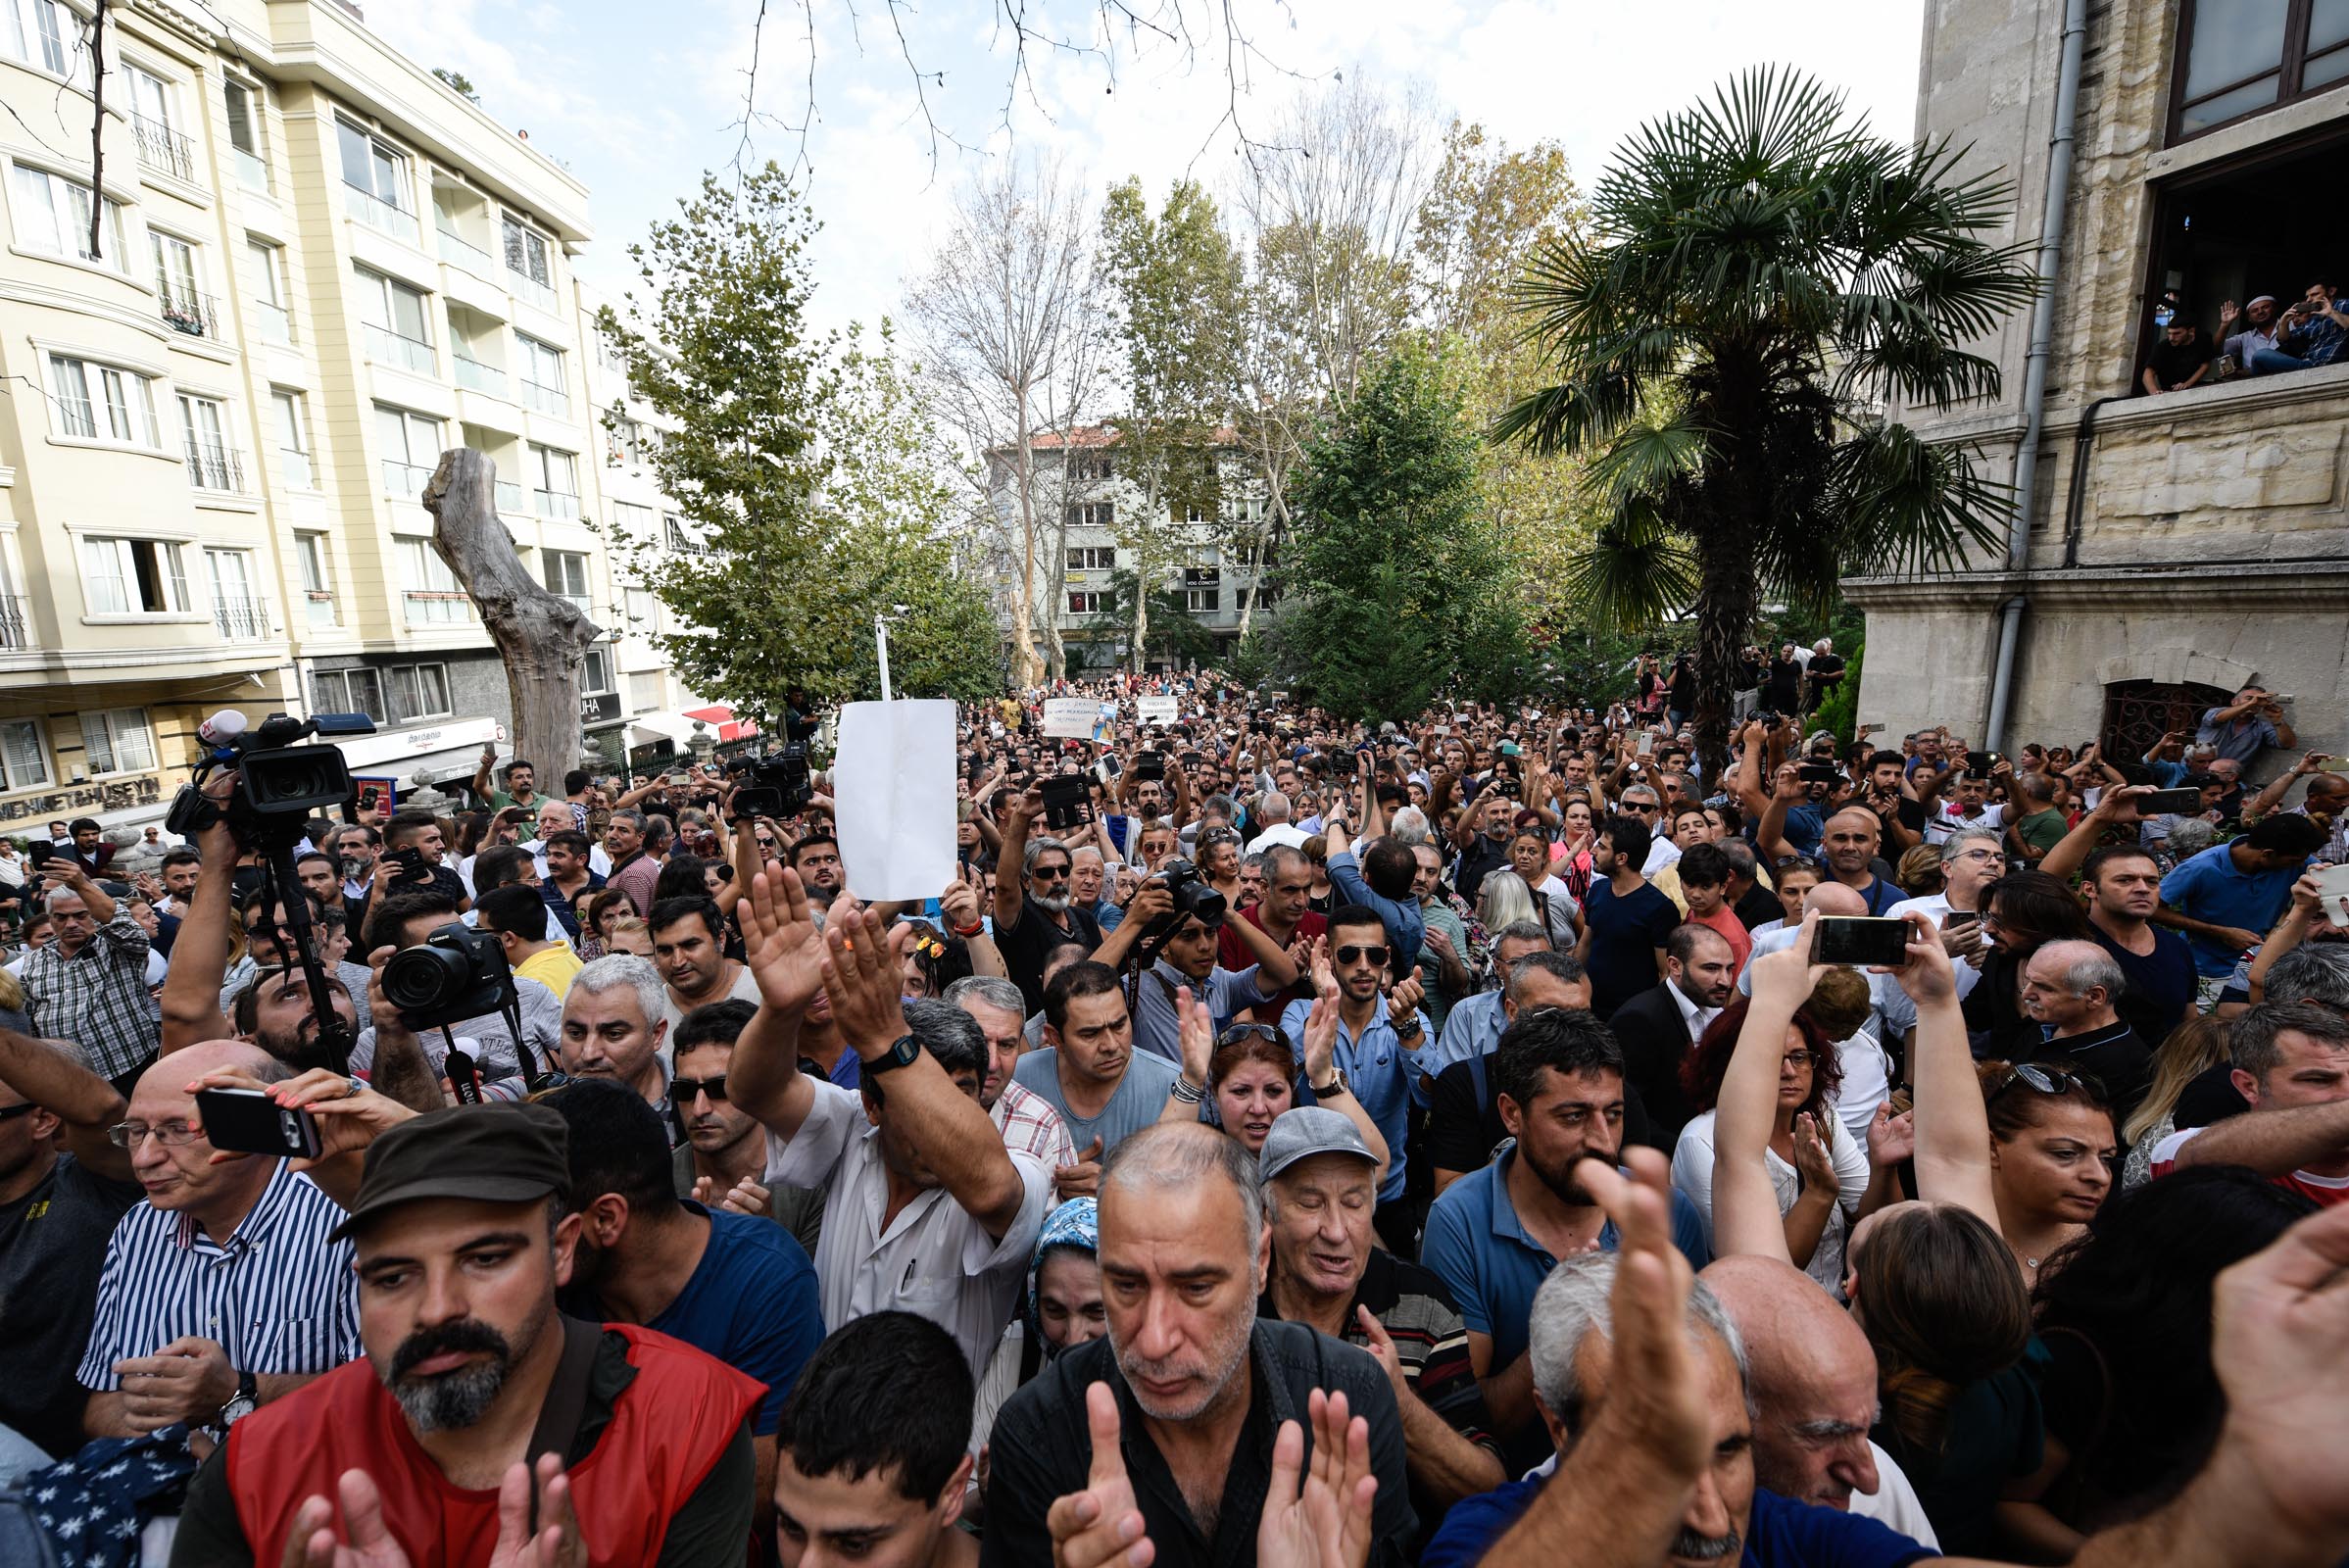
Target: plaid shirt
98,997
1030,1125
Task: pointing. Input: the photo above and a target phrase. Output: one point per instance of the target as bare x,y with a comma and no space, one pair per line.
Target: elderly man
1274,810
2291,1064
1320,1185
2069,989
89,984
227,1287
1165,1429
615,1027
1025,1119
1033,908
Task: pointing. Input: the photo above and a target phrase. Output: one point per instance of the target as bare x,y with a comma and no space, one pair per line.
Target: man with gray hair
89,984
2070,989
1165,1427
1274,810
615,1025
1025,1119
1034,906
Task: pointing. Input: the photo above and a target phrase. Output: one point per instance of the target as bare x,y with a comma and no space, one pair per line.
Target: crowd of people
1486,1136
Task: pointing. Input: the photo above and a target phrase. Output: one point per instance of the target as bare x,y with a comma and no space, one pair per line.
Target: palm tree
1758,280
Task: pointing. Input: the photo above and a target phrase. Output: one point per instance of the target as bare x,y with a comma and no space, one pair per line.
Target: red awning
723,722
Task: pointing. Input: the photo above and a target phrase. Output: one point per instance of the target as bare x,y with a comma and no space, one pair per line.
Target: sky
638,109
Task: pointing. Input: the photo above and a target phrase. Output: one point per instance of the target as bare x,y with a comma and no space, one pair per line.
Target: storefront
450,753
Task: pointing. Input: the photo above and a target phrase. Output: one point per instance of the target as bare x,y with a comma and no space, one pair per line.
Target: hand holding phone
1863,940
247,1121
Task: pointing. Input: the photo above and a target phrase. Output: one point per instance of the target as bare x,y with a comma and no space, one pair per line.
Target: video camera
780,782
280,785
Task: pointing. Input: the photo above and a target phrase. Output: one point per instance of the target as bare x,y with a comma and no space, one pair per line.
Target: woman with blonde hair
1503,900
2192,1049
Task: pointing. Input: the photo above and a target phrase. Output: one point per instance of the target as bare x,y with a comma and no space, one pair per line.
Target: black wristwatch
241,1404
900,1054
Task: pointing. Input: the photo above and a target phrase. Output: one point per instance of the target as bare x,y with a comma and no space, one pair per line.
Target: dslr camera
1193,896
455,973
779,782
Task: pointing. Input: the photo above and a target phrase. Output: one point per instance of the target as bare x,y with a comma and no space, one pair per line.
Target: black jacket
1654,1038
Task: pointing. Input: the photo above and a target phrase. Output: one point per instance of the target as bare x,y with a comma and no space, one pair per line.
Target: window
1091,557
1203,589
2243,56
23,759
1088,602
418,690
349,691
412,446
375,181
133,577
100,403
555,478
177,294
628,440
238,609
244,135
635,522
431,591
595,671
267,270
526,260
318,589
398,320
53,217
45,35
1090,465
212,463
119,741
643,610
566,574
1093,515
543,386
154,127
293,440
648,691
684,535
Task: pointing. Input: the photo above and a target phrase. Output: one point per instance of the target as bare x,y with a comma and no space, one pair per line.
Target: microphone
222,730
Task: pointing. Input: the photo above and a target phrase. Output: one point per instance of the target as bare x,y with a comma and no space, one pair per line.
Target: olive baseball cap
490,1154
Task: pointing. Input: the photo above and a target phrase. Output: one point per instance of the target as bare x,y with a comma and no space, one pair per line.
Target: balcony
546,398
376,212
409,353
251,172
183,309
318,608
218,469
558,503
434,608
510,498
16,621
163,149
462,253
239,617
294,467
405,481
525,288
273,323
480,376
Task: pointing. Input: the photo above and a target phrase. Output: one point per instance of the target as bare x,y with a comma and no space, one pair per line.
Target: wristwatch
1418,1028
241,1403
900,1054
1336,1088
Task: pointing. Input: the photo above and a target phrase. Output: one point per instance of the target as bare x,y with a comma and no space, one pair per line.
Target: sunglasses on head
684,1091
1350,953
1250,1031
2047,1080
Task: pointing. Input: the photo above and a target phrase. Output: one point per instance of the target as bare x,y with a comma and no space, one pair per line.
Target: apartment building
1086,498
317,268
2175,545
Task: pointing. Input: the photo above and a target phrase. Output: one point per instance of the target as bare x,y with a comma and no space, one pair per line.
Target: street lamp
881,641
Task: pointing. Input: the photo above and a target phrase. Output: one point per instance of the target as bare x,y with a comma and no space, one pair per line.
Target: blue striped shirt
276,1296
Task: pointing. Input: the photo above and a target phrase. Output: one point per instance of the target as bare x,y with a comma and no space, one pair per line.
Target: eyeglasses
1799,1059
1250,1031
169,1134
1353,954
684,1091
1984,856
12,1112
2047,1080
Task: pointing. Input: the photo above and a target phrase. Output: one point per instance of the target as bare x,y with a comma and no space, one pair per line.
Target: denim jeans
2267,361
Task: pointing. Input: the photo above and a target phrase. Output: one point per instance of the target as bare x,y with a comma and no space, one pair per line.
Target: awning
644,729
723,722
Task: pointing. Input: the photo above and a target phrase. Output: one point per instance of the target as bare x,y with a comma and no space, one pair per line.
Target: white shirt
1660,854
1934,907
1693,1174
1948,819
1699,1019
1279,833
1894,1504
934,1259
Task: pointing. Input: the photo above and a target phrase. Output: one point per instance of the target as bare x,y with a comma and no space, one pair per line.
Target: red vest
667,1432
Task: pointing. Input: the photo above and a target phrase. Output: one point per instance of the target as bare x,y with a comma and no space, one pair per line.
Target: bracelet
1187,1092
972,931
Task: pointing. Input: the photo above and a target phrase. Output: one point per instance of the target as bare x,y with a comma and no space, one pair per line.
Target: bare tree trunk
1024,653
541,636
98,127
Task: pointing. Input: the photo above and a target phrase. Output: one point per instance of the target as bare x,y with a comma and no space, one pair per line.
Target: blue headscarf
1077,1224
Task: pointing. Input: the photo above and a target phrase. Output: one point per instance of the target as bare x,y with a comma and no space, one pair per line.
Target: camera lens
425,979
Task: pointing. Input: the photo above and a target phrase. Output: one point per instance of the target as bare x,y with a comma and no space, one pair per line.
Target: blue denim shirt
1405,926
1379,1073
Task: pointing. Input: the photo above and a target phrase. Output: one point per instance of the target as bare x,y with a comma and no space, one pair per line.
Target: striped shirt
276,1296
98,997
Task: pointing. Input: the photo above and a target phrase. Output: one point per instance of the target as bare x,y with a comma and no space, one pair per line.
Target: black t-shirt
1784,681
2171,362
1625,933
2159,985
1024,945
52,1247
1758,908
2210,1096
1823,664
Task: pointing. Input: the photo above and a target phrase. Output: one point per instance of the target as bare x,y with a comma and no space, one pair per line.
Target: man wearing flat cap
482,1422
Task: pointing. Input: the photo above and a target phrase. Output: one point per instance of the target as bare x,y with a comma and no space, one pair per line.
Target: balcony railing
405,480
480,376
16,621
433,608
294,467
376,212
273,323
526,288
241,617
409,353
163,149
183,309
462,252
215,467
319,603
251,172
546,398
557,503
509,497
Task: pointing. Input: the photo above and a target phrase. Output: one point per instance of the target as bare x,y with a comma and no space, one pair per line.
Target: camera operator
411,864
1188,959
405,921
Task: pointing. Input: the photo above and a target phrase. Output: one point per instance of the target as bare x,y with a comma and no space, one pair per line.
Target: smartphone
2334,764
2161,803
1647,742
1066,802
2332,888
1861,940
248,1122
1979,764
1818,773
1961,919
1150,765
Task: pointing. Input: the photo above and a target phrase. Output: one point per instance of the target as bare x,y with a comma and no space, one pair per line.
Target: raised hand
1891,1139
309,1541
1082,1179
556,1543
1101,1527
1321,1037
1785,978
1812,1162
1927,976
1319,1515
1404,998
781,945
1196,1027
1325,978
348,1119
864,977
1656,1398
2120,805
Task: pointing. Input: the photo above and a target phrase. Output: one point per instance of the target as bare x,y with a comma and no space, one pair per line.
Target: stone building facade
2184,544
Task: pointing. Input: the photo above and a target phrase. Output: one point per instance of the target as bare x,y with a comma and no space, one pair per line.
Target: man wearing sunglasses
1035,909
722,1162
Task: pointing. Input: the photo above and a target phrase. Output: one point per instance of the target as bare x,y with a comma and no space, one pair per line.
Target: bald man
1813,1387
161,1349
1849,843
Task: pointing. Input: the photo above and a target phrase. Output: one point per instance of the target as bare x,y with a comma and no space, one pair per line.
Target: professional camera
780,783
455,973
1192,893
280,785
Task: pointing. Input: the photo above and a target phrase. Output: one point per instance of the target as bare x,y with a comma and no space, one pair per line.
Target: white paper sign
1158,711
1076,718
893,788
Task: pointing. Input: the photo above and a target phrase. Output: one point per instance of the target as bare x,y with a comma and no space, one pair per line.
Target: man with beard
724,1157
1625,919
1033,913
816,858
1176,1427
730,1285
689,944
1496,1232
2123,883
480,1420
1659,1028
251,1232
